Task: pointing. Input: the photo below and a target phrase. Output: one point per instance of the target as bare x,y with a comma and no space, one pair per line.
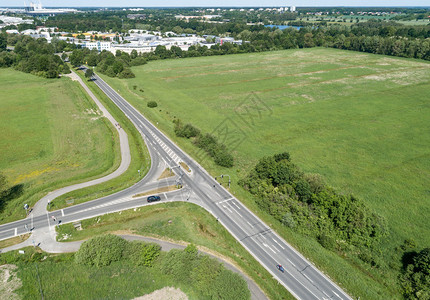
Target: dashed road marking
227,209
279,244
267,246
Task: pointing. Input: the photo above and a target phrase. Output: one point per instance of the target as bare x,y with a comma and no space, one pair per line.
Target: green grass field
179,222
52,135
139,159
360,120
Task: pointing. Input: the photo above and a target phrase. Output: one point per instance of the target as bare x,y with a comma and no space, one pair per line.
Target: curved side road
46,236
41,205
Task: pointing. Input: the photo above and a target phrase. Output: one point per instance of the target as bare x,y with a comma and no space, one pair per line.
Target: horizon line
304,6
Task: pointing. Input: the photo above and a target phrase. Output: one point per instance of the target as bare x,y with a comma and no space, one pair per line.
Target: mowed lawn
51,136
360,120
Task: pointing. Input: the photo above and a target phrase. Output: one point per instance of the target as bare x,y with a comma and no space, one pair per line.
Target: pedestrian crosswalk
166,148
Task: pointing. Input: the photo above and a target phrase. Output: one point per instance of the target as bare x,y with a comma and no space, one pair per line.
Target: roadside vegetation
117,65
109,267
140,159
52,136
33,56
208,142
359,120
182,223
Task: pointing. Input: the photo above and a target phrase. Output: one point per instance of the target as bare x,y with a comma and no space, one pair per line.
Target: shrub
101,250
224,159
204,274
191,249
416,276
229,285
186,131
152,104
327,241
149,253
126,73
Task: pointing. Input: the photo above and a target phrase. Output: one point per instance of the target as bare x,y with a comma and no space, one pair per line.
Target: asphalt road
301,278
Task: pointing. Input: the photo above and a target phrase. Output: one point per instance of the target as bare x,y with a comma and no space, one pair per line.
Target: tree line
209,143
107,63
384,41
340,222
32,56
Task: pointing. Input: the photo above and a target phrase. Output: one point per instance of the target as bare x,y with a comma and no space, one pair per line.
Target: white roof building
99,46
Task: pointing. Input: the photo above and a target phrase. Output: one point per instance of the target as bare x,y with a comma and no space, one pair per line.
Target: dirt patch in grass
166,174
13,241
9,282
167,293
157,191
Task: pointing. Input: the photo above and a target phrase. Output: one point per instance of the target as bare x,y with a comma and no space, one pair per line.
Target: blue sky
200,3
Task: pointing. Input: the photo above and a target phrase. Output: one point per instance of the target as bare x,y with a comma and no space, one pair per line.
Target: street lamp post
229,179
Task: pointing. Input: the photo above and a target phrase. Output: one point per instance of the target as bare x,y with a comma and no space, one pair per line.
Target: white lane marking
267,246
16,231
279,244
31,220
235,210
286,270
250,224
235,204
166,196
292,263
336,294
275,248
308,278
225,200
227,209
62,213
140,115
47,217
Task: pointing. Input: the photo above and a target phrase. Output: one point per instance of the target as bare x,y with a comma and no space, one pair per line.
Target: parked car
153,198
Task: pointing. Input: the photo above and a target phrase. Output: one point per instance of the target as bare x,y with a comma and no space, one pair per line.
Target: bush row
207,142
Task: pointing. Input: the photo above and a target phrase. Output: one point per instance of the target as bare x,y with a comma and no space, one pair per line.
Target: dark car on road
153,198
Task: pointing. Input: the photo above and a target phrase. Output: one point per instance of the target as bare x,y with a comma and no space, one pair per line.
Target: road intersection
301,278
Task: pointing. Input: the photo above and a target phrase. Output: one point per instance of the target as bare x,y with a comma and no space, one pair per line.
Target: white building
292,8
99,46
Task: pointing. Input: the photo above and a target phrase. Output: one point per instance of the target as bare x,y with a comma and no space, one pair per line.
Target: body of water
282,27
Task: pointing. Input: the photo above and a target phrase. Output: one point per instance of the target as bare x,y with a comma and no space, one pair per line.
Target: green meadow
52,135
360,120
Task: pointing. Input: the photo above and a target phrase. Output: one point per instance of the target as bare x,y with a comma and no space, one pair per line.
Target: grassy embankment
52,136
59,276
182,223
140,159
360,120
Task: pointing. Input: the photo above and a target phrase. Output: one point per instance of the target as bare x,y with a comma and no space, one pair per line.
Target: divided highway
301,278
